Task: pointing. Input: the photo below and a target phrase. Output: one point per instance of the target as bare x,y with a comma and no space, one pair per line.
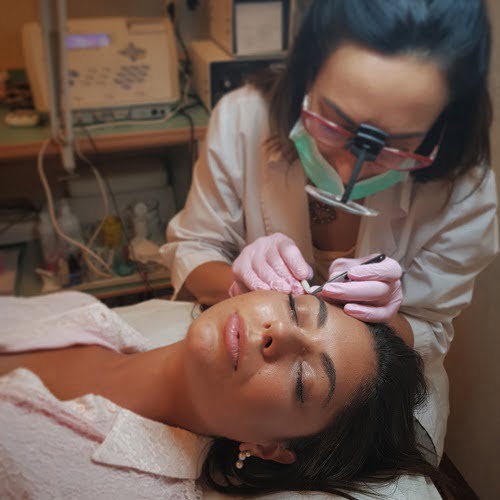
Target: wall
13,16
473,439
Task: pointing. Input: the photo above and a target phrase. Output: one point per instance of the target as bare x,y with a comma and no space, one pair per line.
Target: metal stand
53,20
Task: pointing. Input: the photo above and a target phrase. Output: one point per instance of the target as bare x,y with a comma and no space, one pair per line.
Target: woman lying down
265,393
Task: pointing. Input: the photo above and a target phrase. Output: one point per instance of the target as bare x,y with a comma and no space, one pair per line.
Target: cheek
263,403
202,343
327,153
207,365
265,391
370,170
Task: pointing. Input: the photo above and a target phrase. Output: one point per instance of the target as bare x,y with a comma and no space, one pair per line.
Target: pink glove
373,293
270,263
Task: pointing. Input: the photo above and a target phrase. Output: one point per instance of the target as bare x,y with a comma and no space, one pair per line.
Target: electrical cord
192,4
191,139
142,273
53,218
104,195
169,10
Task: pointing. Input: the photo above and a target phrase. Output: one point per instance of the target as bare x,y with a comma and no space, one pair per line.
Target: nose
281,339
343,161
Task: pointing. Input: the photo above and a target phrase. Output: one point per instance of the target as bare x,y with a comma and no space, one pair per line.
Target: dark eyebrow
330,372
348,119
339,111
322,312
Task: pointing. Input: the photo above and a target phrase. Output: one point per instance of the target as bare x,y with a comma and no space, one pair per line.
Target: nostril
267,326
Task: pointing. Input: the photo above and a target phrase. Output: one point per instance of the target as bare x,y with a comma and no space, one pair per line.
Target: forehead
399,94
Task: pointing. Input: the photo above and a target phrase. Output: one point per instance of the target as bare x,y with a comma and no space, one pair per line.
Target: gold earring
242,456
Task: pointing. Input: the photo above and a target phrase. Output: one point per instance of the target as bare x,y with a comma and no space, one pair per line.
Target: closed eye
300,386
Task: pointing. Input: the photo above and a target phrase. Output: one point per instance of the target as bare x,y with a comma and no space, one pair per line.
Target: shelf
30,284
25,143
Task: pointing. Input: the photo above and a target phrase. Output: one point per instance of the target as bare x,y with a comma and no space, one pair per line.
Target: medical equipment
367,144
117,69
250,27
215,72
341,277
53,54
328,186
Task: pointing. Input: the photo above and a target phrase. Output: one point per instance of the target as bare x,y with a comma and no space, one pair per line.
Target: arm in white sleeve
211,226
439,283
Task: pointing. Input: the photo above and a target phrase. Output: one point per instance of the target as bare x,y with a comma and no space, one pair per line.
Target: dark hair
455,34
371,440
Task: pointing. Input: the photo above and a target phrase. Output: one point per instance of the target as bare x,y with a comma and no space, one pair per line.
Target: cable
104,196
142,274
191,140
192,4
50,204
169,10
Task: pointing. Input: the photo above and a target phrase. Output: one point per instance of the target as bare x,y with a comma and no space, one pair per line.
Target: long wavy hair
372,440
454,34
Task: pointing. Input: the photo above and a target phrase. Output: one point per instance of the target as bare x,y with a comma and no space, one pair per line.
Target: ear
270,451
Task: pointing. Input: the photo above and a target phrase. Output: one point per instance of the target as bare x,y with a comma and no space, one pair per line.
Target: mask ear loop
365,146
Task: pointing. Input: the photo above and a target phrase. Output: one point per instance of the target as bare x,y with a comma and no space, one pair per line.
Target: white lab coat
441,235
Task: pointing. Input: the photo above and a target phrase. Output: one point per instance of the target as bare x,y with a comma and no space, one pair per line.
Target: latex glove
270,263
373,292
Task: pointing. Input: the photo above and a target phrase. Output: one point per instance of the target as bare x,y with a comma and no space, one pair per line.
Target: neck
154,386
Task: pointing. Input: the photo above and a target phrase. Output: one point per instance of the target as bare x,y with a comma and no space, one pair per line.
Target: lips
234,335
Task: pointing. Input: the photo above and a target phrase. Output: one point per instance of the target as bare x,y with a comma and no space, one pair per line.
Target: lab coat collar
377,233
148,446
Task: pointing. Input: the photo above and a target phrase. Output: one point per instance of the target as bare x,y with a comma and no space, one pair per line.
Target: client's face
262,367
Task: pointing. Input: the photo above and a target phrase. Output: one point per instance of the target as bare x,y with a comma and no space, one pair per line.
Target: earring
242,456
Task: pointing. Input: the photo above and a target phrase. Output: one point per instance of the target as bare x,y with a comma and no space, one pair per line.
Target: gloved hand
270,263
373,292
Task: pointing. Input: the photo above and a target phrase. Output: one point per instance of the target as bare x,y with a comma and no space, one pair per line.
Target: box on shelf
131,180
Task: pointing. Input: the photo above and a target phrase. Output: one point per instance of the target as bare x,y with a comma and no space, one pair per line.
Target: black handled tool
344,277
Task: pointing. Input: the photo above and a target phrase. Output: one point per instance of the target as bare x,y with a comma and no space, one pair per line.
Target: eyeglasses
333,136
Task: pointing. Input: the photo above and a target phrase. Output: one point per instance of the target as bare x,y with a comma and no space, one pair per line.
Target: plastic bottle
140,221
71,227
48,241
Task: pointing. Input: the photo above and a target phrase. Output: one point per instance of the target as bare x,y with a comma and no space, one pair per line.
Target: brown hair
371,441
427,28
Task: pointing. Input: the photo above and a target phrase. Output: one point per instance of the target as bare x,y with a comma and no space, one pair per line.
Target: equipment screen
87,41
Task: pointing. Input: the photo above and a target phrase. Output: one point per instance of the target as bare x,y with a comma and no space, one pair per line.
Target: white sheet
159,320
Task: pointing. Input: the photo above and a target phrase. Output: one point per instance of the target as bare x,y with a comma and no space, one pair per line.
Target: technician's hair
454,34
372,440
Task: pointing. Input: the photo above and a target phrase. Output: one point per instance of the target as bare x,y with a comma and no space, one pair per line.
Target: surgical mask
328,186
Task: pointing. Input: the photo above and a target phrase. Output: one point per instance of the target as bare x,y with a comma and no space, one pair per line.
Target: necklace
321,213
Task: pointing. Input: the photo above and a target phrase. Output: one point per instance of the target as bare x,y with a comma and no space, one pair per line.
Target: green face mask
327,179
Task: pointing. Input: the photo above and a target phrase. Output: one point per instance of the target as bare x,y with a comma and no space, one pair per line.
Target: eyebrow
326,360
332,376
352,123
322,312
